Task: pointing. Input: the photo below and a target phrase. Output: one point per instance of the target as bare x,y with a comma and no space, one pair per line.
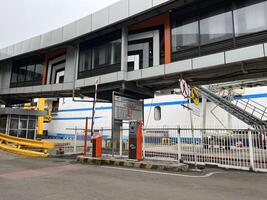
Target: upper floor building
138,47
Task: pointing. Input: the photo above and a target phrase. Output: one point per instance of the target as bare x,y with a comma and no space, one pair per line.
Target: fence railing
228,148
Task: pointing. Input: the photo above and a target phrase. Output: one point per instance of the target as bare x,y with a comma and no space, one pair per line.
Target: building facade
139,47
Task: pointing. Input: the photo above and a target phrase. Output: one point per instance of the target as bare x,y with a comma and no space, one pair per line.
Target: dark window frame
30,61
100,69
217,46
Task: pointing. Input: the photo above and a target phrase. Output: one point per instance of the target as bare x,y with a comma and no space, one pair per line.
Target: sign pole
85,136
93,110
112,123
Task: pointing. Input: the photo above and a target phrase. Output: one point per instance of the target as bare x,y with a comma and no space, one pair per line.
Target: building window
185,36
250,19
157,113
216,28
27,72
101,53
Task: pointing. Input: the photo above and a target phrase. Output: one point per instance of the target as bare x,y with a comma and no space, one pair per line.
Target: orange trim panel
155,21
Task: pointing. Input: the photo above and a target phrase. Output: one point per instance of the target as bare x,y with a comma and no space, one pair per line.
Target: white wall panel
35,43
118,11
137,6
134,75
100,19
70,31
208,61
153,71
246,53
157,2
180,66
84,25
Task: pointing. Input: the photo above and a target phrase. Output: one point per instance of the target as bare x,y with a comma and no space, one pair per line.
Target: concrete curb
154,165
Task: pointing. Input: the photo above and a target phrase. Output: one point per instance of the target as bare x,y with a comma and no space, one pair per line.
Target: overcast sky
23,19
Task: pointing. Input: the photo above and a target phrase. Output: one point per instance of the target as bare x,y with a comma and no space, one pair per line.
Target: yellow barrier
21,145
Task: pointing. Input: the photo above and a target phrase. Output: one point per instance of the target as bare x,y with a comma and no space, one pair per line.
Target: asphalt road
55,179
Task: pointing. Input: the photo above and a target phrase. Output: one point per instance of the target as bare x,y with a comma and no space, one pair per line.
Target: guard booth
19,122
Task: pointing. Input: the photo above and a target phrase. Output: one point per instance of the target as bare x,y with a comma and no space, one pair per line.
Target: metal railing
242,149
252,107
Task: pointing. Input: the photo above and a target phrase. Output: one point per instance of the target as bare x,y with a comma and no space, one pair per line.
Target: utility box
97,146
135,140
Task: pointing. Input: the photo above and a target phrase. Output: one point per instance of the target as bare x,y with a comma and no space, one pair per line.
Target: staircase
248,111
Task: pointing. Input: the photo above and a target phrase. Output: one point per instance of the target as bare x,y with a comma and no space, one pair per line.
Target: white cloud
22,19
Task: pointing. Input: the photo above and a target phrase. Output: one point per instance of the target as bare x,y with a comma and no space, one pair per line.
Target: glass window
23,124
216,28
31,134
157,113
85,60
22,74
22,133
184,37
250,19
116,52
14,76
14,124
30,73
102,55
3,121
100,52
38,72
13,133
31,124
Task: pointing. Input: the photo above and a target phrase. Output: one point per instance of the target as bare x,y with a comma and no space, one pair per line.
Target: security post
135,140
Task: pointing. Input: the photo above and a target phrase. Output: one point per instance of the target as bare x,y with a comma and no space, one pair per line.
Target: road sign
184,88
194,96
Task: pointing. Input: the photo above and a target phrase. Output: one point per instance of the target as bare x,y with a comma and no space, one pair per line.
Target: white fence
236,148
239,149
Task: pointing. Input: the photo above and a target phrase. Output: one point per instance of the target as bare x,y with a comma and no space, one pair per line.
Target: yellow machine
43,105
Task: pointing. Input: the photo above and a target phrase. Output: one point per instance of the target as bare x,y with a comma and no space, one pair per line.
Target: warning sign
194,96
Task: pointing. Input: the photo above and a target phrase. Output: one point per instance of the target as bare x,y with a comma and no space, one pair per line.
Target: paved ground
56,179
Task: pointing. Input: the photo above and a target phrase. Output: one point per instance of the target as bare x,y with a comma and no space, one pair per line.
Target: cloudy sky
22,19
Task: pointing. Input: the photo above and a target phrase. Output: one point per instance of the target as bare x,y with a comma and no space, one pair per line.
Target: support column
41,107
124,49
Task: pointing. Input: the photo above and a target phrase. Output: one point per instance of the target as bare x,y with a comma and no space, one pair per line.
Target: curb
151,165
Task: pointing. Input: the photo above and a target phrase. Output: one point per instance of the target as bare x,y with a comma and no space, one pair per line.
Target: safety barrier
26,147
243,149
237,149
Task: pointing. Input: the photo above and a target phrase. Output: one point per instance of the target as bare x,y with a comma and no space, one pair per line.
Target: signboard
126,108
195,96
184,88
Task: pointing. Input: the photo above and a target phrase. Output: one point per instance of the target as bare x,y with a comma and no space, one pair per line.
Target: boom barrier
26,147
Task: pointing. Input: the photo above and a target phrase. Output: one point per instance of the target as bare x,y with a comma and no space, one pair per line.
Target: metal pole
85,136
193,134
121,135
144,144
93,110
179,144
75,140
251,156
113,121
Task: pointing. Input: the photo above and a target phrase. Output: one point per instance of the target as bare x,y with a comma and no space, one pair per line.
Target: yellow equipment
24,146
